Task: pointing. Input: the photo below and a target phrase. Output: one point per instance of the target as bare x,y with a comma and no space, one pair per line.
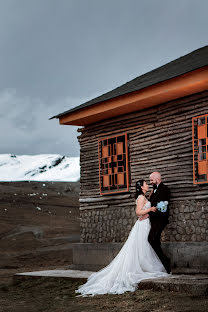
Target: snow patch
44,167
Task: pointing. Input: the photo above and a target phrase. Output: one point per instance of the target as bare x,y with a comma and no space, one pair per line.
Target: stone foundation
188,223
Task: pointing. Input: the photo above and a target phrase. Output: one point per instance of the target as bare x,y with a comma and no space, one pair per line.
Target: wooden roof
184,66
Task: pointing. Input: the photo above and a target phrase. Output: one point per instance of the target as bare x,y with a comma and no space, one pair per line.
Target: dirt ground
38,222
57,295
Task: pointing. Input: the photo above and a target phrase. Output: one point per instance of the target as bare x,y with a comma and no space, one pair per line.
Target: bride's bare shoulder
140,198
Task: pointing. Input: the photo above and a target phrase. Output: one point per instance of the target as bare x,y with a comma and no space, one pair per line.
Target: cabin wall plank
159,139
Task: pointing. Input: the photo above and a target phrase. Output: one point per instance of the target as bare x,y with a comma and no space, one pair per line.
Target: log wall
160,139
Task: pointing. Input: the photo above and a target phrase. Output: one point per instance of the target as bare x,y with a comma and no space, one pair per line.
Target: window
113,164
200,149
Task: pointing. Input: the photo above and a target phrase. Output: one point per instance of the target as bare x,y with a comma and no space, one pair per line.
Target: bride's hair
139,185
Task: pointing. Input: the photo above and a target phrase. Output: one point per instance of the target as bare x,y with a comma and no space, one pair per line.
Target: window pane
113,164
201,120
202,156
200,149
202,142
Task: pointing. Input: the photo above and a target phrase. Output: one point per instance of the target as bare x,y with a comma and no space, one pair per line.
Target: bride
135,261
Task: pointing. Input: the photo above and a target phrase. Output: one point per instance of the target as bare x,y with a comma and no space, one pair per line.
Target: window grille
200,149
113,164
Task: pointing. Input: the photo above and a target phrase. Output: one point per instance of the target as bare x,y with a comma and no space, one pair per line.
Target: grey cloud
27,130
56,54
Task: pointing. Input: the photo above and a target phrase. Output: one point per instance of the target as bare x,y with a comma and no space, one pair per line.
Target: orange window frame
200,149
113,164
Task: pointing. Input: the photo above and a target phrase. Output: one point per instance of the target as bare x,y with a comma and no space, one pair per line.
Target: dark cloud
25,128
56,54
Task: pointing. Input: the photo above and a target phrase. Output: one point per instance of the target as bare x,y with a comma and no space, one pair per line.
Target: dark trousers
157,226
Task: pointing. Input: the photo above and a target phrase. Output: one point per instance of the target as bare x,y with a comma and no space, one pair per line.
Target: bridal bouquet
162,206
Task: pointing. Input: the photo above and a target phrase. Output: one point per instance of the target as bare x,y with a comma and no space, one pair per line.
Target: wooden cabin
155,122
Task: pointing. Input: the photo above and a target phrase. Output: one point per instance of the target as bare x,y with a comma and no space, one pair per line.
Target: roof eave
180,86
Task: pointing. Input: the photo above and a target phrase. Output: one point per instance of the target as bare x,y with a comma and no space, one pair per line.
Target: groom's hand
153,209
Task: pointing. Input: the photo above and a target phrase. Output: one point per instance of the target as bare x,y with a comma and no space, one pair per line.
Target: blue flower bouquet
162,206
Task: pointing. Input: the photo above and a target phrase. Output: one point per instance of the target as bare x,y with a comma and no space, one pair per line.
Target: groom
158,219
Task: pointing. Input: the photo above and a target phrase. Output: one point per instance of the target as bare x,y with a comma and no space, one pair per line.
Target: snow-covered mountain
44,167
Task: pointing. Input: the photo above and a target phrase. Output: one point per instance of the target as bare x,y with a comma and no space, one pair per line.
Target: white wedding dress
135,261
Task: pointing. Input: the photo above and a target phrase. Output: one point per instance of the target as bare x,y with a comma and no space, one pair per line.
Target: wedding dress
135,261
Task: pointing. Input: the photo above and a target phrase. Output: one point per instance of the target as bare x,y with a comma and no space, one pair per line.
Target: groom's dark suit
158,222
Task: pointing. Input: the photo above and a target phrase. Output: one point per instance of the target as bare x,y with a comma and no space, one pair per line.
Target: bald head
155,178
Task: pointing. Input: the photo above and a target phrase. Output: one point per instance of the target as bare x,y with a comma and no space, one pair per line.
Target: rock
191,209
181,209
180,230
125,222
198,230
186,209
178,237
180,217
187,216
201,222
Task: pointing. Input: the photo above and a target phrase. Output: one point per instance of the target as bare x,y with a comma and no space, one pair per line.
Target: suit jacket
162,194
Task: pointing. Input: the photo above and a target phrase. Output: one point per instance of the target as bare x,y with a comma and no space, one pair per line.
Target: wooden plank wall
160,139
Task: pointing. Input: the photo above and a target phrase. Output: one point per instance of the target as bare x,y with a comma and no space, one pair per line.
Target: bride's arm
140,204
144,217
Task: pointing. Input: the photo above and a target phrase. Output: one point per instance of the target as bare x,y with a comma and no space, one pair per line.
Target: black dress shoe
168,266
168,270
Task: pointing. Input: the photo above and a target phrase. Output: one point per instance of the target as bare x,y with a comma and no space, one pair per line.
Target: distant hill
43,167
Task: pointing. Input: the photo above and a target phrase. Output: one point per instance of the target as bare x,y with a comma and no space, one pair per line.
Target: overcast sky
57,54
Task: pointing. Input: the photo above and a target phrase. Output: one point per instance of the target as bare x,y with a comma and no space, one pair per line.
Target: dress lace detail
146,205
135,261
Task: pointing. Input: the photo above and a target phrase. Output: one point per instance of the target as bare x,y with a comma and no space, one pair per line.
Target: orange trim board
187,84
202,165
